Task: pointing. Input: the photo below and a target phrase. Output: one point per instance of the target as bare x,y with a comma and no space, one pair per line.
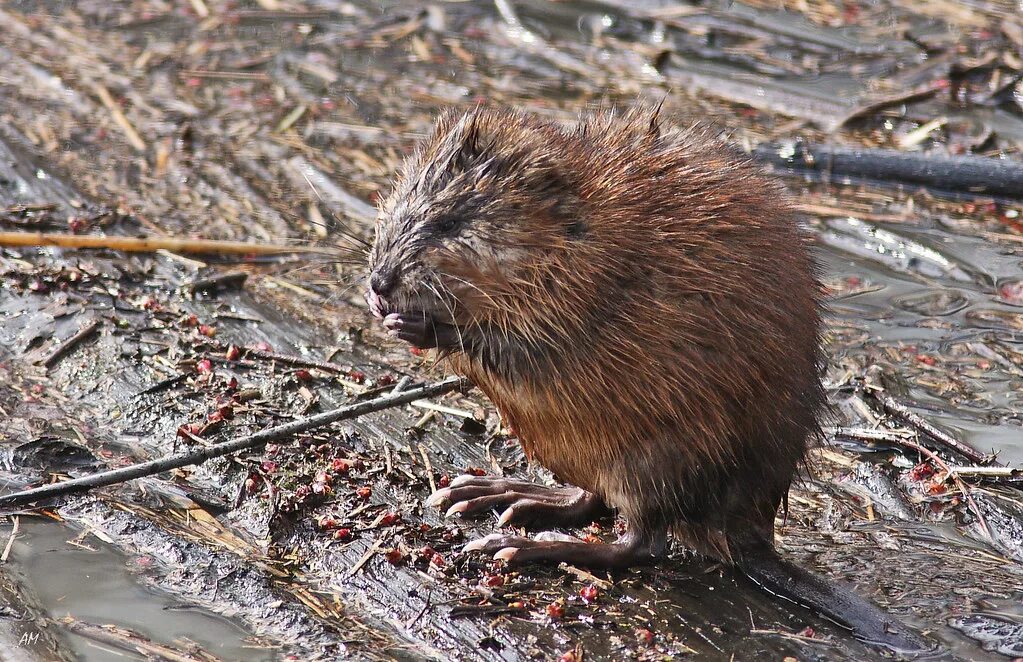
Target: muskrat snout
383,281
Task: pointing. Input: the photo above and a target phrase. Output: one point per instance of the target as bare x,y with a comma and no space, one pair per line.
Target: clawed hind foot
525,504
629,550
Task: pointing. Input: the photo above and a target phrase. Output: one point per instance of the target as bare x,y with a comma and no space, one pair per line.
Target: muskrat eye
447,223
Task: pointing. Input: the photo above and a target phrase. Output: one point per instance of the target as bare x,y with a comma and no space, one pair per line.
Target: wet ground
282,121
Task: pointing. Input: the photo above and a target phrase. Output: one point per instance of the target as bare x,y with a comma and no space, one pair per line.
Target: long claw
464,479
457,509
438,497
506,516
480,543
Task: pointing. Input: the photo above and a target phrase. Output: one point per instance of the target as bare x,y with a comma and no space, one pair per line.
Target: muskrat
641,306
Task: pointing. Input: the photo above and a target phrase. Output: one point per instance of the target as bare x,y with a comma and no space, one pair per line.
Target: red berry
444,481
922,471
365,492
556,610
76,224
589,594
394,556
1012,292
493,580
232,353
204,367
344,535
303,375
207,330
438,561
644,636
339,466
390,518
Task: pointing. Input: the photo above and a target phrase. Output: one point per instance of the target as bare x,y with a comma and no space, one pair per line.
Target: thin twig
64,348
987,472
429,467
903,413
10,541
120,118
201,455
225,75
287,359
874,105
374,548
795,637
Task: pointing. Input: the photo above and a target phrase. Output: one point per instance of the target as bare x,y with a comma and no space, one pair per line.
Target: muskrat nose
383,281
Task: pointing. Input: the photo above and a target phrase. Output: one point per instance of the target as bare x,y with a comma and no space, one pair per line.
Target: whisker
349,234
337,295
489,296
440,297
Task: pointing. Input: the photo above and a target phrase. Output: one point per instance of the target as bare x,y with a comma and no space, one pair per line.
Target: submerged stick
150,245
978,175
198,456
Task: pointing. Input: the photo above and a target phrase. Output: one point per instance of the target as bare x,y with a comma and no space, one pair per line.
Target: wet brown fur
638,303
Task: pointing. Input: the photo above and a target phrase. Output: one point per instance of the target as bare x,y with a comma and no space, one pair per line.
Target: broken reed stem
151,245
120,119
201,455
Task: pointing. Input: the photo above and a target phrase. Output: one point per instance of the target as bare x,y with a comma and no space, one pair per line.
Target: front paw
422,330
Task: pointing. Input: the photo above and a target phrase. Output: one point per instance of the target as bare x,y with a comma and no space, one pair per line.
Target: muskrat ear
473,139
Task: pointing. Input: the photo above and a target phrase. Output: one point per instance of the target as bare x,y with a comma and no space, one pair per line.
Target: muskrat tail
868,622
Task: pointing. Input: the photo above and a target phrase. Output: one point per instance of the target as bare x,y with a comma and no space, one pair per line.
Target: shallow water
92,582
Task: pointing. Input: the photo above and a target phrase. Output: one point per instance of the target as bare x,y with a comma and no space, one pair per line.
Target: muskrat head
474,214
